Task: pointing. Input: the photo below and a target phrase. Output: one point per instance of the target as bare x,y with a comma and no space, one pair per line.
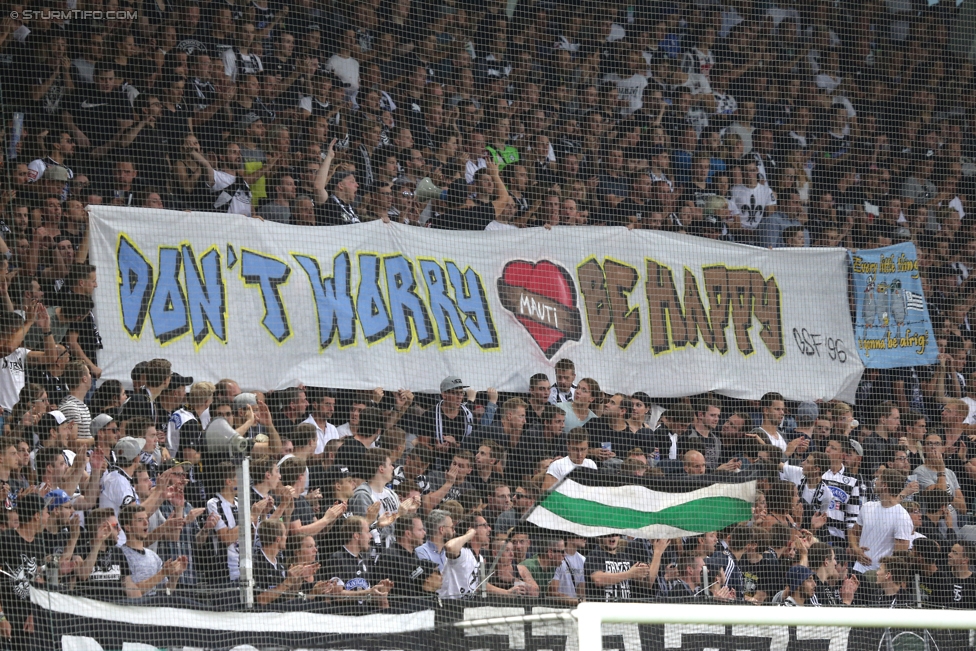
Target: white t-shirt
496,225
570,574
13,378
562,467
752,203
461,575
324,435
143,565
232,193
116,491
794,474
176,422
971,416
880,528
631,89
228,520
77,411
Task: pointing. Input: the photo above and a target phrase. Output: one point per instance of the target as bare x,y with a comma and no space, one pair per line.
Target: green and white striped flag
590,504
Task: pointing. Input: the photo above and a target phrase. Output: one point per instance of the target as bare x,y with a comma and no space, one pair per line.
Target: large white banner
402,307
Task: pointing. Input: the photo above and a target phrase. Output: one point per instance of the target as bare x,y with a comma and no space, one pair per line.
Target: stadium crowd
771,124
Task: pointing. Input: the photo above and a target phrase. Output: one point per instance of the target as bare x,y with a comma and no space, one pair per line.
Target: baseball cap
797,575
806,412
58,416
176,381
335,473
857,447
46,423
175,463
129,448
56,497
452,382
98,422
242,400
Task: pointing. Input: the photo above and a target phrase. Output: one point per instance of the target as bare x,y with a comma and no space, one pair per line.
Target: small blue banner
891,326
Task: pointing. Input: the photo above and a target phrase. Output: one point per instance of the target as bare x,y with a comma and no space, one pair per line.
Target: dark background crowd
792,124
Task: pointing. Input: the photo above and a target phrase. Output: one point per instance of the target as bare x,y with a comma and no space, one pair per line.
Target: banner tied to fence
385,305
892,323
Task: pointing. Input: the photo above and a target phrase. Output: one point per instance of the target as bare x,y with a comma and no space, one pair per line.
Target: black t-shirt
407,572
750,576
56,542
711,447
335,212
149,151
303,511
456,427
266,575
21,563
353,572
140,404
620,214
173,127
960,593
772,574
601,434
475,218
933,587
53,100
696,195
89,338
826,595
105,580
97,113
599,560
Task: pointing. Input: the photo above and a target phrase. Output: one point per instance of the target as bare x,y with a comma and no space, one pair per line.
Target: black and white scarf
439,423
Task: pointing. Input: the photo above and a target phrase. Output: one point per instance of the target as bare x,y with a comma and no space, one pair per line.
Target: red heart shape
542,297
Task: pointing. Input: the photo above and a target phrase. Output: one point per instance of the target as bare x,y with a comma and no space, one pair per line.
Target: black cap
352,456
176,463
335,474
176,381
45,424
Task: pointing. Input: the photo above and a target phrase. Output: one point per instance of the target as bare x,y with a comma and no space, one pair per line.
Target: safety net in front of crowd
331,320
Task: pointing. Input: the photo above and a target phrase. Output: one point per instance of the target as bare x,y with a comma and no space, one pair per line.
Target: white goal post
591,615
